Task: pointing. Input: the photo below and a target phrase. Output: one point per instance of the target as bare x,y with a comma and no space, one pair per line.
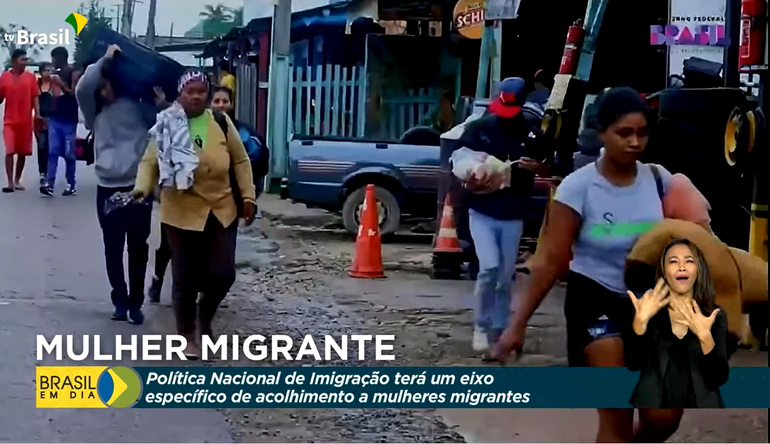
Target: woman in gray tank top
598,214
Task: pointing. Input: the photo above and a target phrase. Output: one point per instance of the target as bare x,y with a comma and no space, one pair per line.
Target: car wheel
389,214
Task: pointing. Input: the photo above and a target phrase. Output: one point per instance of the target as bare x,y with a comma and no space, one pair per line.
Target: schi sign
701,35
469,16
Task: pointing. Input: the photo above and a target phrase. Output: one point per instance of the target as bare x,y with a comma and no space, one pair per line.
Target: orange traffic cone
447,240
367,262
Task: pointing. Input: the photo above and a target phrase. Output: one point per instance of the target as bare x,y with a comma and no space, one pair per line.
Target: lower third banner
367,387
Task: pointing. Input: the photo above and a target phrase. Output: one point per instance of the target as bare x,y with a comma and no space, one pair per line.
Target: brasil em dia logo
86,387
77,21
119,387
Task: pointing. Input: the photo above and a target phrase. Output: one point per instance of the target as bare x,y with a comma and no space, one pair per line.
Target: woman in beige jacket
199,217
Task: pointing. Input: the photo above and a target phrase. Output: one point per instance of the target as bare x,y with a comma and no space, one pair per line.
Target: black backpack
237,196
658,181
260,166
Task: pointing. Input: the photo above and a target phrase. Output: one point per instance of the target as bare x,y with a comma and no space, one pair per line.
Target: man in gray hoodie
119,127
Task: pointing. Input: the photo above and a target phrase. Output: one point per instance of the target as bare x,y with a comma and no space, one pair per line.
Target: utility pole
150,35
117,21
125,22
278,92
128,17
731,65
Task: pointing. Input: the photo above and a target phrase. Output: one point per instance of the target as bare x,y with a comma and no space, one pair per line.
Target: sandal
20,187
8,190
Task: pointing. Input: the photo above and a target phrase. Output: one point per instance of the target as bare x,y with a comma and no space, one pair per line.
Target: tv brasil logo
87,387
24,37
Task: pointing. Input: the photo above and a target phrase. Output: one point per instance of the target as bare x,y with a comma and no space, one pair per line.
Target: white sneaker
480,341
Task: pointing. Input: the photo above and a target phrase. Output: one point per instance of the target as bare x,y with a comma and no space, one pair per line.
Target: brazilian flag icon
119,387
77,21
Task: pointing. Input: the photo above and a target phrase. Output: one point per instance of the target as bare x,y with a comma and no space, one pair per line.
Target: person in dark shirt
681,351
496,214
63,123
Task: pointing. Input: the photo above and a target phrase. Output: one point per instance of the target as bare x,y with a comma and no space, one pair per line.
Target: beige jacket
211,192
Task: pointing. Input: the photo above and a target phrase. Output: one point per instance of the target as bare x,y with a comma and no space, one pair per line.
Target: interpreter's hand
160,96
111,50
694,319
511,341
651,302
529,164
249,211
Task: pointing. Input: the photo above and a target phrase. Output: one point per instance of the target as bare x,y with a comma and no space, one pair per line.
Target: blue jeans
61,143
497,247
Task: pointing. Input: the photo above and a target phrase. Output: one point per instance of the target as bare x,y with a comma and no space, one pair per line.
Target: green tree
97,21
219,13
33,51
218,20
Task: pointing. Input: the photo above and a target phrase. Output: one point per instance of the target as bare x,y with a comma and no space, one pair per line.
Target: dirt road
303,288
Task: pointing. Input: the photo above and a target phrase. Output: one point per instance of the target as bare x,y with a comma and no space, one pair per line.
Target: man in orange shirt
19,90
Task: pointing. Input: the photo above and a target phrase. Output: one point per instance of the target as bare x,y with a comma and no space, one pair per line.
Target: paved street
52,281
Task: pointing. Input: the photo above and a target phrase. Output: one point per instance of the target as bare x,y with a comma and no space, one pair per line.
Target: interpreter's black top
674,372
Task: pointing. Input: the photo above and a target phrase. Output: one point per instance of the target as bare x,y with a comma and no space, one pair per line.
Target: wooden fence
328,100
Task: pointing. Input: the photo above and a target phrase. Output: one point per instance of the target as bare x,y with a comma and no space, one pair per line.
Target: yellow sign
86,387
469,18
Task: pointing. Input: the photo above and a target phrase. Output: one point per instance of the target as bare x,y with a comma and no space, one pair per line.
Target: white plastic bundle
467,163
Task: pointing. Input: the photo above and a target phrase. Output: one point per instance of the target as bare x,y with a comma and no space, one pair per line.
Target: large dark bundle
137,68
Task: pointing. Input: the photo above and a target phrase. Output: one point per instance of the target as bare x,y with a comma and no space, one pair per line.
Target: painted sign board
469,17
697,29
701,35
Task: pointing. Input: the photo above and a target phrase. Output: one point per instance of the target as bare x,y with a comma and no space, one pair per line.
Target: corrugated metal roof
330,13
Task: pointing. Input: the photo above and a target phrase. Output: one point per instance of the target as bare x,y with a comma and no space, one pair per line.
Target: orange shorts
18,139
